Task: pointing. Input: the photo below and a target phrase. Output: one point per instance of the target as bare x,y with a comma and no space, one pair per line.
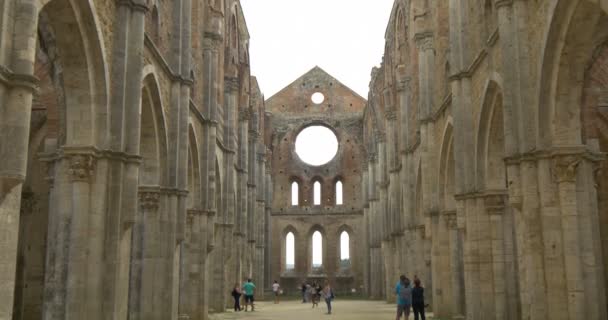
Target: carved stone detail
82,167
390,114
495,204
564,168
149,200
231,84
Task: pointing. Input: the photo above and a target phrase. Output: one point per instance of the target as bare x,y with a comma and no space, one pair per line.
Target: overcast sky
290,37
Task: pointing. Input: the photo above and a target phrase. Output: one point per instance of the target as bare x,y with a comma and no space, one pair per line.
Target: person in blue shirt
249,287
403,290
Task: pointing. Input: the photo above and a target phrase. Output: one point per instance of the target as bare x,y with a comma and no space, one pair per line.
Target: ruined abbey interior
143,172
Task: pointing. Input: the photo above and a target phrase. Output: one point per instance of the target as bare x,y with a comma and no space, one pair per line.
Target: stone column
495,208
17,85
143,255
565,172
192,272
81,287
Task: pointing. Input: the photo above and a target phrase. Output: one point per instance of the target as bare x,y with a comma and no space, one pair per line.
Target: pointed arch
446,168
80,47
576,28
194,171
490,146
153,133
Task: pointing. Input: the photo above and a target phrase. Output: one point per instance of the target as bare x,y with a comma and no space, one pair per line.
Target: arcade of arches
143,173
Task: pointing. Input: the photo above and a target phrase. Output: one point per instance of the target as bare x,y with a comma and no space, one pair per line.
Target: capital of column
149,199
137,5
390,114
450,219
81,167
380,136
403,84
565,167
231,84
212,41
372,157
598,171
424,41
244,114
495,204
503,3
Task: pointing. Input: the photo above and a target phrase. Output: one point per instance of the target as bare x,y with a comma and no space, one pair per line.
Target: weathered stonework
142,172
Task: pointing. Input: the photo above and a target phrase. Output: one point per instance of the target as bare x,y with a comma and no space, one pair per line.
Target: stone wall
476,138
134,163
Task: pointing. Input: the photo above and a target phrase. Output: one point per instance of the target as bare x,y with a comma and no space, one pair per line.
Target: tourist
275,290
249,288
319,290
236,294
308,292
418,300
314,293
404,297
303,292
328,294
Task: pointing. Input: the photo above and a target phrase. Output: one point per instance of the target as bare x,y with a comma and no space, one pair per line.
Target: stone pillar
18,43
144,255
192,274
83,286
565,172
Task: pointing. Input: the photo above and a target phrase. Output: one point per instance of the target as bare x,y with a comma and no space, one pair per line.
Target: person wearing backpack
403,290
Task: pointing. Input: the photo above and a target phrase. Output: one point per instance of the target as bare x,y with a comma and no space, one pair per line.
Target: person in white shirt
276,290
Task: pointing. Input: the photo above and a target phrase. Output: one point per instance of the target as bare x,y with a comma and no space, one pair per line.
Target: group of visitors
410,298
248,289
314,292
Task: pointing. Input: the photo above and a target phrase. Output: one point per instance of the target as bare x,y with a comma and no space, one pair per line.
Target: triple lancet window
317,194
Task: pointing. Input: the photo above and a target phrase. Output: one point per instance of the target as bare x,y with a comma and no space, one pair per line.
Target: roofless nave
143,174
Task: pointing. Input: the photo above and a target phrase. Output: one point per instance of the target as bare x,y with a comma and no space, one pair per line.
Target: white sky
290,37
316,145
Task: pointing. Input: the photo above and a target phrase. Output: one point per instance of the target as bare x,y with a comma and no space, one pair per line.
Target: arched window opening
317,252
317,193
295,190
339,195
290,256
344,251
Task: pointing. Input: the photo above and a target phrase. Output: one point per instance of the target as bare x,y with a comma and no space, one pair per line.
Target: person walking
418,300
314,294
303,292
403,291
328,294
249,288
275,289
319,289
236,294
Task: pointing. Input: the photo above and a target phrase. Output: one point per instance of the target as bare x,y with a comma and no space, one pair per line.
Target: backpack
405,293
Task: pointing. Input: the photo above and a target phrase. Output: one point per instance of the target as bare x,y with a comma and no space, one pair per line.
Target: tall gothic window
317,193
317,251
344,251
295,190
339,195
290,256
